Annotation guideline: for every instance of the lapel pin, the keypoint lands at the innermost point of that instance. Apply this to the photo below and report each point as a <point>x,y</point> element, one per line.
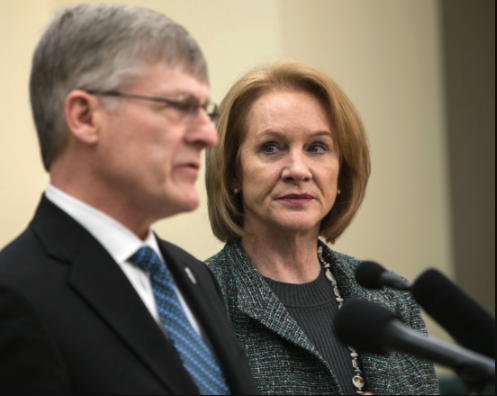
<point>190,275</point>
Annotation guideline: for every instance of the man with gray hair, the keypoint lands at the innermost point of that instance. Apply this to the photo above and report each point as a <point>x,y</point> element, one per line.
<point>91,301</point>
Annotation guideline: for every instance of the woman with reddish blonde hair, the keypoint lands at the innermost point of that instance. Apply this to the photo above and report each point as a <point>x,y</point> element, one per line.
<point>289,173</point>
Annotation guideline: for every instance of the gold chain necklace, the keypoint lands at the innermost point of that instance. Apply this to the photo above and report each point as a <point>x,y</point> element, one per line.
<point>357,380</point>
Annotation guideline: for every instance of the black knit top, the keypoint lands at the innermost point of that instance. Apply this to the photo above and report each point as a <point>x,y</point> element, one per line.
<point>314,307</point>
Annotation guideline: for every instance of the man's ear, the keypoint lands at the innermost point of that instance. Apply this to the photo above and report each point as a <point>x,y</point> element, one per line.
<point>81,112</point>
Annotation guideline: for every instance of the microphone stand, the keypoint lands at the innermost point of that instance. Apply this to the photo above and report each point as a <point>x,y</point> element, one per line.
<point>475,370</point>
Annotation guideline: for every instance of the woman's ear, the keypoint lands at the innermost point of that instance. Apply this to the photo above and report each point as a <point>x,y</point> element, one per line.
<point>80,110</point>
<point>235,185</point>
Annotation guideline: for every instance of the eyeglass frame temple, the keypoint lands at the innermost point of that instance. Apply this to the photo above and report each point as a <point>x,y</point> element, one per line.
<point>213,115</point>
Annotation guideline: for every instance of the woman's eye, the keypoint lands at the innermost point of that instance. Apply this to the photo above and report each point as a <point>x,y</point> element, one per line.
<point>270,148</point>
<point>318,148</point>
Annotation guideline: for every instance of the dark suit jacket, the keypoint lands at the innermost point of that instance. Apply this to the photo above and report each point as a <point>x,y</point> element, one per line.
<point>70,321</point>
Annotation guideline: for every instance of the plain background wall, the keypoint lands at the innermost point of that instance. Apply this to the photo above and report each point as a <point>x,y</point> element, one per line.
<point>469,47</point>
<point>387,55</point>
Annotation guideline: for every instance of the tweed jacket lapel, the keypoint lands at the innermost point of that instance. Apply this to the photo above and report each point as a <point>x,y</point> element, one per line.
<point>258,301</point>
<point>348,287</point>
<point>377,368</point>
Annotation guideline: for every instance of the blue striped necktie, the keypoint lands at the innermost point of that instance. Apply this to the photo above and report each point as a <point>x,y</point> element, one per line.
<point>195,355</point>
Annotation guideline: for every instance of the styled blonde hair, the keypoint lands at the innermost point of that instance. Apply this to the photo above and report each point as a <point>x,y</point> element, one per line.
<point>223,161</point>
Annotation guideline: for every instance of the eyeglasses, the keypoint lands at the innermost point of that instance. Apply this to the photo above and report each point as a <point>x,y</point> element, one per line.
<point>187,105</point>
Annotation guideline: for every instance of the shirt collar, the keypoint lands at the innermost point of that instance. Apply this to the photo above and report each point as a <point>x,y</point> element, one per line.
<point>118,240</point>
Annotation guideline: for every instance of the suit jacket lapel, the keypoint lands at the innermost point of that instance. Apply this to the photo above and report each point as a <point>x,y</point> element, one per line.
<point>99,280</point>
<point>208,309</point>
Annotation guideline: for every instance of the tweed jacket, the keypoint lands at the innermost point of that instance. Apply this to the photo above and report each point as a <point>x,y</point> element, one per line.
<point>282,358</point>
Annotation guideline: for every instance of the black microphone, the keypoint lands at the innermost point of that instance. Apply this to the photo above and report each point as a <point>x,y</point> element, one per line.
<point>370,327</point>
<point>468,323</point>
<point>456,312</point>
<point>373,276</point>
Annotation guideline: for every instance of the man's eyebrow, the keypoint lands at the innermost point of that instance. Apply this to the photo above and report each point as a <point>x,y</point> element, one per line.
<point>175,94</point>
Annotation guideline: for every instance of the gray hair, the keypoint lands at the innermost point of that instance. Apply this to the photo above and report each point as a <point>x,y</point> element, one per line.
<point>101,47</point>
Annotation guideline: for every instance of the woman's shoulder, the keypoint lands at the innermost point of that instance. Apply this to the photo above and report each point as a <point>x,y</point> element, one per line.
<point>220,261</point>
<point>225,266</point>
<point>222,265</point>
<point>217,260</point>
<point>401,302</point>
<point>343,262</point>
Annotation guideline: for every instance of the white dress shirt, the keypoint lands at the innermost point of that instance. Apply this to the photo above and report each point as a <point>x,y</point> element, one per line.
<point>121,243</point>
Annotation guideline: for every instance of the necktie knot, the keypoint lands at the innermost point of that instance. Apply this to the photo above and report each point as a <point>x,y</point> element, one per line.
<point>146,259</point>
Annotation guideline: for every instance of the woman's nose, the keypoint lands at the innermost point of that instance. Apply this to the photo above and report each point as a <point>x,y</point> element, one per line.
<point>296,168</point>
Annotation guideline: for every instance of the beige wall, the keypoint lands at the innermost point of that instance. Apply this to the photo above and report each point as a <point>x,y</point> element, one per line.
<point>469,53</point>
<point>21,175</point>
<point>385,54</point>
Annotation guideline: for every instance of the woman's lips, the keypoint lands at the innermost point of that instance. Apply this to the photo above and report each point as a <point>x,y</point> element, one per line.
<point>297,199</point>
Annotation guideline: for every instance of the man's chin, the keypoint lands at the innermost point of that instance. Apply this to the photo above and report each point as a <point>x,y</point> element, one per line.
<point>192,206</point>
<point>187,203</point>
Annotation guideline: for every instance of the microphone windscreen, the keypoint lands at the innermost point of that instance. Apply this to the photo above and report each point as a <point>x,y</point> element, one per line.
<point>361,324</point>
<point>368,275</point>
<point>456,312</point>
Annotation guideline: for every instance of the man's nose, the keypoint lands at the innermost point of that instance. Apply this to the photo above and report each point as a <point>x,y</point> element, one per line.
<point>203,132</point>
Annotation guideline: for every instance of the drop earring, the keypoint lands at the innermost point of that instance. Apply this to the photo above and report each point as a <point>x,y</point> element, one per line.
<point>236,190</point>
